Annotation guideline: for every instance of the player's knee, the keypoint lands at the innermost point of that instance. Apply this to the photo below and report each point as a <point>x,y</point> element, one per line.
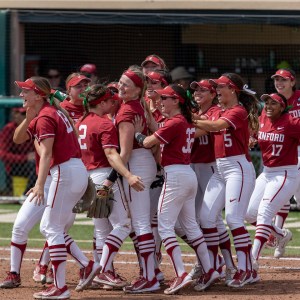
<point>234,222</point>
<point>19,233</point>
<point>251,216</point>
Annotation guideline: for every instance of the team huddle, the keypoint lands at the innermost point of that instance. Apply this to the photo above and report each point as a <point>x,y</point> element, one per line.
<point>174,160</point>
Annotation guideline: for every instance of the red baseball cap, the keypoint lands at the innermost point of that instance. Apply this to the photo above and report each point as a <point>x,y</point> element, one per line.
<point>29,85</point>
<point>169,92</point>
<point>284,74</point>
<point>223,80</point>
<point>76,79</point>
<point>89,68</point>
<point>204,84</point>
<point>274,97</point>
<point>155,60</point>
<point>156,77</point>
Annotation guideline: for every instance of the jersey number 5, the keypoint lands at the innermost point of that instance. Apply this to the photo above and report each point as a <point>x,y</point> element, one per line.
<point>82,135</point>
<point>189,140</point>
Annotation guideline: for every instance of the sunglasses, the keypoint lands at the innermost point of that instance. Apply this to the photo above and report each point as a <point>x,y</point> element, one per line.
<point>54,76</point>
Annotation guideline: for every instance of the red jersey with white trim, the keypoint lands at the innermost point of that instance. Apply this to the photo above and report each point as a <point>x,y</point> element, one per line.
<point>278,141</point>
<point>74,111</point>
<point>203,150</point>
<point>127,113</point>
<point>294,101</point>
<point>158,116</point>
<point>95,134</point>
<point>177,137</point>
<point>52,123</point>
<point>233,140</point>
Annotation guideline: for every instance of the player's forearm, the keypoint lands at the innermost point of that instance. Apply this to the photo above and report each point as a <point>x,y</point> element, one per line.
<point>117,163</point>
<point>20,134</point>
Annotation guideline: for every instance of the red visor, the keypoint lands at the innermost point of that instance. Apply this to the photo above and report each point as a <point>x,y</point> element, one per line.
<point>204,84</point>
<point>155,60</point>
<point>157,77</point>
<point>29,85</point>
<point>274,97</point>
<point>76,79</point>
<point>284,74</point>
<point>223,80</point>
<point>169,92</point>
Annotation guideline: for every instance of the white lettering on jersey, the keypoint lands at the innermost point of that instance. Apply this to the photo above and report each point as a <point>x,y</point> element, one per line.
<point>189,140</point>
<point>65,120</point>
<point>295,113</point>
<point>269,136</point>
<point>203,140</point>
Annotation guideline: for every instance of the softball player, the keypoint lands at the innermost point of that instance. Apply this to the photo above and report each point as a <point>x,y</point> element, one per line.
<point>285,84</point>
<point>204,165</point>
<point>153,62</point>
<point>156,80</point>
<point>54,131</point>
<point>233,181</point>
<point>76,84</point>
<point>278,138</point>
<point>98,142</point>
<point>177,199</point>
<point>141,162</point>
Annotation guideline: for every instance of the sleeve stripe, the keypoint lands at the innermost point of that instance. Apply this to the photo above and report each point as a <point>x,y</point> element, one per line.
<point>161,138</point>
<point>46,135</point>
<point>228,121</point>
<point>110,146</point>
<point>30,135</point>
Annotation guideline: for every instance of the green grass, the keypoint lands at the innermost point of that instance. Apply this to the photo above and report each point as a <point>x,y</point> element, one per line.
<point>83,234</point>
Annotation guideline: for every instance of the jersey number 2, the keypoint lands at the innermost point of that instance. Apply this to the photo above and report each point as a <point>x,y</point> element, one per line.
<point>82,136</point>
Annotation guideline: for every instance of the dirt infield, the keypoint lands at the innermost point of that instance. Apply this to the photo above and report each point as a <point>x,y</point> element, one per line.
<point>280,279</point>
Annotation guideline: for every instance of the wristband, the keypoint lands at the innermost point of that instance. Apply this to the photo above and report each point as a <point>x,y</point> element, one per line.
<point>140,138</point>
<point>112,176</point>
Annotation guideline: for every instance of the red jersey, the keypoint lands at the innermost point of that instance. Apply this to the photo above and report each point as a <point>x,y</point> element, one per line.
<point>177,137</point>
<point>158,116</point>
<point>203,150</point>
<point>52,123</point>
<point>95,134</point>
<point>74,111</point>
<point>278,141</point>
<point>11,153</point>
<point>233,140</point>
<point>127,113</point>
<point>294,102</point>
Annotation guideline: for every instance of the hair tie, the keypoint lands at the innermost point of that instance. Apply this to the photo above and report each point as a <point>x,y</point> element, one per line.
<point>84,102</point>
<point>51,96</point>
<point>189,95</point>
<point>247,90</point>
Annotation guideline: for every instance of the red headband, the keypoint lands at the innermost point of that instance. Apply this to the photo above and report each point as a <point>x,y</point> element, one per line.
<point>108,95</point>
<point>138,81</point>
